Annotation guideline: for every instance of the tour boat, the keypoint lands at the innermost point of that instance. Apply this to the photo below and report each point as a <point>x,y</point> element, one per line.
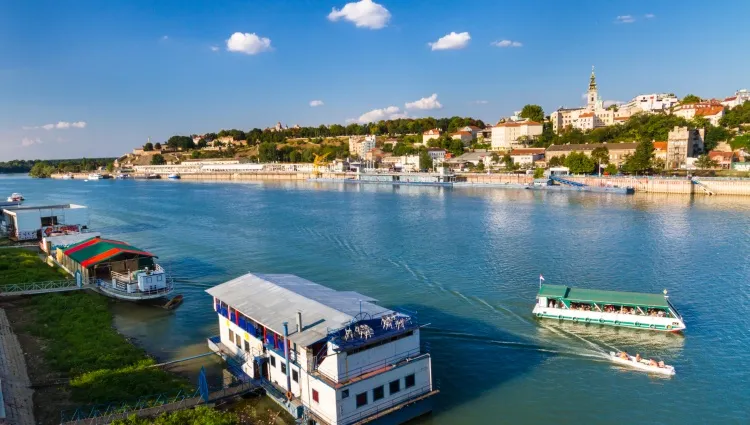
<point>642,364</point>
<point>95,176</point>
<point>623,309</point>
<point>173,176</point>
<point>15,197</point>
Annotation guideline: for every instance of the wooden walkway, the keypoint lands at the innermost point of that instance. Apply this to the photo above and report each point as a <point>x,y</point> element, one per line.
<point>187,403</point>
<point>34,288</point>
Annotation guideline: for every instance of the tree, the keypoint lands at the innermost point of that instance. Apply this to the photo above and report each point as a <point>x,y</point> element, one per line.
<point>456,147</point>
<point>704,162</point>
<point>495,157</point>
<point>539,173</point>
<point>580,163</point>
<point>610,170</point>
<point>157,146</point>
<point>533,113</point>
<point>425,161</point>
<point>41,170</point>
<point>508,161</point>
<point>690,98</point>
<point>110,167</point>
<point>641,160</point>
<point>555,161</point>
<point>148,147</point>
<point>158,159</point>
<point>714,135</point>
<point>741,142</point>
<point>202,143</point>
<point>195,154</point>
<point>600,155</point>
<point>267,152</point>
<point>480,166</point>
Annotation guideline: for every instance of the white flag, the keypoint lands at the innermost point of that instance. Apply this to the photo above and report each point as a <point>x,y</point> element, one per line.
<point>541,277</point>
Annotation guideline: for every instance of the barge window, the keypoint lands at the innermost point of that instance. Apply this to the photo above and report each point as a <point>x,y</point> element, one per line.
<point>295,376</point>
<point>345,394</point>
<point>394,386</point>
<point>409,381</point>
<point>49,221</point>
<point>273,360</point>
<point>378,393</point>
<point>362,399</point>
<point>238,340</point>
<point>247,346</point>
<point>316,396</point>
<point>231,335</point>
<point>283,368</point>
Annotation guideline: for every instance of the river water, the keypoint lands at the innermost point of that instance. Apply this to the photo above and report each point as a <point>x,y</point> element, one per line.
<point>468,261</point>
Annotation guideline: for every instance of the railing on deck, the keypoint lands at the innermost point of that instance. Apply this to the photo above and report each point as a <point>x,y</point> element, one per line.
<point>411,355</point>
<point>38,286</point>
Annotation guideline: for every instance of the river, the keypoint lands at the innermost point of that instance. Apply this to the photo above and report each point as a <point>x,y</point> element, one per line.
<point>468,261</point>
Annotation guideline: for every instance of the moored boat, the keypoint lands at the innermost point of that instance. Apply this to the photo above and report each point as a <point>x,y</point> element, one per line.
<point>67,176</point>
<point>650,365</point>
<point>95,176</point>
<point>122,176</point>
<point>623,309</point>
<point>16,198</point>
<point>153,176</point>
<point>173,176</point>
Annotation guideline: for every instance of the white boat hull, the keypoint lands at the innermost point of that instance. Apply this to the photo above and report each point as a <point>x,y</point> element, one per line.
<point>654,323</point>
<point>631,362</point>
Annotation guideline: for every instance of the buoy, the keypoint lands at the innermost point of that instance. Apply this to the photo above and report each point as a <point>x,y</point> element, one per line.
<point>289,395</point>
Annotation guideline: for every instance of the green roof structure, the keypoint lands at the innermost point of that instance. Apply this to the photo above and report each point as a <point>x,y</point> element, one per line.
<point>603,297</point>
<point>96,250</point>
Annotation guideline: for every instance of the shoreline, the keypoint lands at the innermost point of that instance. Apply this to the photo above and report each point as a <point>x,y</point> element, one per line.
<point>708,186</point>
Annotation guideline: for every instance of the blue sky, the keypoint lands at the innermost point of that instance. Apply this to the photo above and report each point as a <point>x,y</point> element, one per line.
<point>102,76</point>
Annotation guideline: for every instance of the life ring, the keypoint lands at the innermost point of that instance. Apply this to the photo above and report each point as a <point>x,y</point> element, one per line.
<point>651,326</point>
<point>669,327</point>
<point>289,395</point>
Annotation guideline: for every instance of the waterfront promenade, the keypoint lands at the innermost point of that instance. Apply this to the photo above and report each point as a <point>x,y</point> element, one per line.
<point>670,185</point>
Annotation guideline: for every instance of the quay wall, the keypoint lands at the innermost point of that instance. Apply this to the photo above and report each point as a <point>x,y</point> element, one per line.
<point>716,186</point>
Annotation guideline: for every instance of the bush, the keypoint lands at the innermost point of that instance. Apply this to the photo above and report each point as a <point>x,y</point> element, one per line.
<point>201,415</point>
<point>21,266</point>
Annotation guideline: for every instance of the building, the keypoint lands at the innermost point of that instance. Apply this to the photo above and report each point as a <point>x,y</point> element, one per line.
<point>24,223</point>
<point>617,151</point>
<point>485,134</point>
<point>474,157</point>
<point>650,103</point>
<point>711,110</point>
<point>401,163</point>
<point>437,155</point>
<point>359,146</point>
<point>375,155</point>
<point>527,157</point>
<point>428,135</point>
<point>466,137</point>
<point>335,357</point>
<point>593,115</point>
<point>509,135</point>
<point>683,143</point>
<point>474,130</point>
<point>723,159</point>
<point>739,98</point>
<point>660,151</point>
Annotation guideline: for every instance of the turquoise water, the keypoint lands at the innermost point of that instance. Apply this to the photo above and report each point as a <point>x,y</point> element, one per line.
<point>468,260</point>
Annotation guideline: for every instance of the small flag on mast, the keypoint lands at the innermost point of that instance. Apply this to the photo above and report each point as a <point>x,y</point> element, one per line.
<point>541,279</point>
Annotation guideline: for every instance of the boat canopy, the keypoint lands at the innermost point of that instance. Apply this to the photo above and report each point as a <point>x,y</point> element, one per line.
<point>97,250</point>
<point>603,297</point>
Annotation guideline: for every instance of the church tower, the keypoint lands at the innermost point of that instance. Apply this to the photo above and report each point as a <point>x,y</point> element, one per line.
<point>593,95</point>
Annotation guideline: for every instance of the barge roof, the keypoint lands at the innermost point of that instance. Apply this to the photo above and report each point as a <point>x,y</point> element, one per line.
<point>96,250</point>
<point>272,299</point>
<point>601,296</point>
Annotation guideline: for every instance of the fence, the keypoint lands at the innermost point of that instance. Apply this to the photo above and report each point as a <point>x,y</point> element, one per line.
<point>46,286</point>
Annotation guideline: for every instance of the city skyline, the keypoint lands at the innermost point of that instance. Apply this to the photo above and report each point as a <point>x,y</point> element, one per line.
<point>91,79</point>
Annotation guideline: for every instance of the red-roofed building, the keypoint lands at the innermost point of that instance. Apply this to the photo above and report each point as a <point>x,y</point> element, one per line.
<point>465,137</point>
<point>711,110</point>
<point>724,159</point>
<point>740,97</point>
<point>428,135</point>
<point>527,156</point>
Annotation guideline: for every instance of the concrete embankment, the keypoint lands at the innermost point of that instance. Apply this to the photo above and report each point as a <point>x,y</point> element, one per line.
<point>705,185</point>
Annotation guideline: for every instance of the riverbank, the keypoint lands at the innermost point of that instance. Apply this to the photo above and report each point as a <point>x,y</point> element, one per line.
<point>732,186</point>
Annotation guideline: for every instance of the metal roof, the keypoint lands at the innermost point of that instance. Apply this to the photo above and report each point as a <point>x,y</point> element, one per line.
<point>605,297</point>
<point>96,250</point>
<point>272,299</point>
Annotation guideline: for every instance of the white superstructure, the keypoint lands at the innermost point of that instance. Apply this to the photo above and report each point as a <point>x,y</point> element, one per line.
<point>337,355</point>
<point>24,223</point>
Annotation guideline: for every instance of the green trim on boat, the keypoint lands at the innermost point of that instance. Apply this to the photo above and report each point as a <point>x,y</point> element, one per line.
<point>566,293</point>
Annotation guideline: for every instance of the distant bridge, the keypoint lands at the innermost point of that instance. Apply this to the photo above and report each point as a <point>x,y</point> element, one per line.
<point>33,288</point>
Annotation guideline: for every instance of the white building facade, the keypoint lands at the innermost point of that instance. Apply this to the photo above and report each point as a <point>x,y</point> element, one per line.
<point>508,135</point>
<point>337,356</point>
<point>428,135</point>
<point>24,223</point>
<point>361,145</point>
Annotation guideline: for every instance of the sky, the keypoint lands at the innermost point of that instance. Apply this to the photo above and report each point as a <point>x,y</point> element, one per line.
<point>98,78</point>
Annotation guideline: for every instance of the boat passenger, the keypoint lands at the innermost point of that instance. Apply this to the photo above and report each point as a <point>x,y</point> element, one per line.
<point>661,364</point>
<point>652,362</point>
<point>637,357</point>
<point>623,355</point>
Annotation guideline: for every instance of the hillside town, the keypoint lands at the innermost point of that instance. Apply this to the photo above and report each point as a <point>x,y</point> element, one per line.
<point>702,137</point>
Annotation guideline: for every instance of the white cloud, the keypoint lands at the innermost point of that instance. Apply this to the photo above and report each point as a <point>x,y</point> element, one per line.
<point>451,41</point>
<point>315,103</point>
<point>389,113</point>
<point>364,14</point>
<point>61,125</point>
<point>624,19</point>
<point>27,141</point>
<point>248,43</point>
<point>425,103</point>
<point>480,102</point>
<point>165,38</point>
<point>507,43</point>
<point>608,103</point>
<point>649,16</point>
<point>214,48</point>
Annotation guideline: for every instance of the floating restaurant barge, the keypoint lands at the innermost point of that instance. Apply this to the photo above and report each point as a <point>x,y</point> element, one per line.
<point>344,360</point>
<point>623,309</point>
<point>117,269</point>
<point>397,179</point>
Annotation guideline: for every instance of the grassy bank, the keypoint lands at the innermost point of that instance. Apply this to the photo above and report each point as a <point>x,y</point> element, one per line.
<point>18,265</point>
<point>254,411</point>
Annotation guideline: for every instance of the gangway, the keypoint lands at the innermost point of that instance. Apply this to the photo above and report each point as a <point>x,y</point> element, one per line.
<point>703,186</point>
<point>566,181</point>
<point>33,288</point>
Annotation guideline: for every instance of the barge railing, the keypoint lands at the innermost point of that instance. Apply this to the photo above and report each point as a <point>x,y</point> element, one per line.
<point>410,355</point>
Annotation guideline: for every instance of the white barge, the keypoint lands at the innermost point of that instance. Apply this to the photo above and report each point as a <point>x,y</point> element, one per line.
<point>622,309</point>
<point>329,357</point>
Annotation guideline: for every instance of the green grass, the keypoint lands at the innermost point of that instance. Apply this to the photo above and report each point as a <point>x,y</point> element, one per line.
<point>199,416</point>
<point>18,265</point>
<point>81,342</point>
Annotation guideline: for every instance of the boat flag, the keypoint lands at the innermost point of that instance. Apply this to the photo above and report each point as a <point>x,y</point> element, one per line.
<point>541,279</point>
